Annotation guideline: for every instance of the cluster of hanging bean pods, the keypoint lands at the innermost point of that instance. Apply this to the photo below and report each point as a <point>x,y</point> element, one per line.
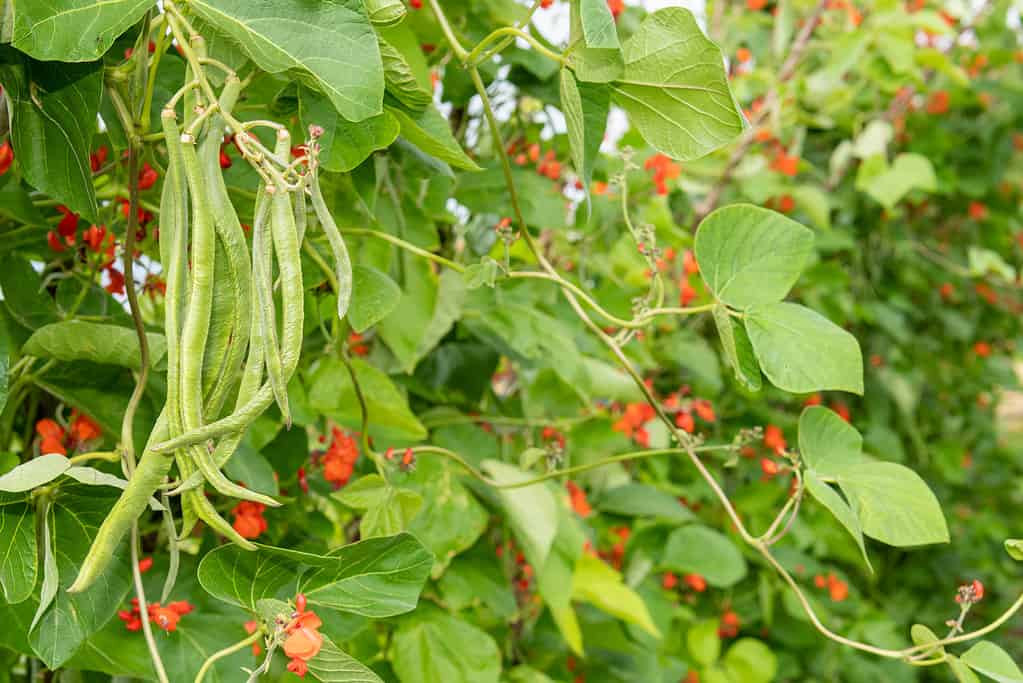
<point>221,322</point>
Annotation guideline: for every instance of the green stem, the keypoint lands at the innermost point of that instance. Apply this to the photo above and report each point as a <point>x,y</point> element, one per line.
<point>226,652</point>
<point>473,57</point>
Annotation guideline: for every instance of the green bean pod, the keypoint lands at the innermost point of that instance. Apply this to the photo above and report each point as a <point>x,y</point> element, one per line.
<point>209,514</point>
<point>149,474</point>
<point>221,369</point>
<point>289,260</point>
<point>204,460</point>
<point>342,261</point>
<point>262,267</point>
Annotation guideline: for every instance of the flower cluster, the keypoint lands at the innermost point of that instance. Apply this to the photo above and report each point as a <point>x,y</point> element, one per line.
<point>248,519</point>
<point>304,638</point>
<point>339,459</point>
<point>56,439</point>
<point>664,170</point>
<point>838,590</point>
<point>166,618</point>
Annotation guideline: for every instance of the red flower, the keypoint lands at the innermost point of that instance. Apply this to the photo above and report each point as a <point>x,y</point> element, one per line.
<point>669,581</point>
<point>785,164</point>
<point>978,211</point>
<point>54,242</point>
<point>225,158</point>
<point>304,639</point>
<point>147,176</point>
<point>774,439</point>
<point>842,410</point>
<point>982,349</point>
<point>94,237</point>
<point>339,460</point>
<point>813,400</point>
<point>83,428</point>
<point>684,421</point>
<point>616,7</point>
<point>838,590</point>
<point>686,294</point>
<point>69,223</point>
<point>705,410</point>
<point>98,158</point>
<point>577,498</point>
<point>145,564</point>
<point>164,617</point>
<point>937,103</point>
<point>116,285</point>
<point>664,169</point>
<point>696,582</point>
<point>248,519</point>
<point>689,263</point>
<point>6,157</point>
<point>769,467</point>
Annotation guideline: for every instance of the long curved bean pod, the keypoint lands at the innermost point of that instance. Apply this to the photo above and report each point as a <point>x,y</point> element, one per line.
<point>209,514</point>
<point>220,368</point>
<point>262,271</point>
<point>342,261</point>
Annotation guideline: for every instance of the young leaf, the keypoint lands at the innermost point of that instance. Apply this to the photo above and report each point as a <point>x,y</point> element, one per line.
<point>385,12</point>
<point>992,661</point>
<point>749,255</point>
<point>406,73</point>
<point>703,642</point>
<point>749,660</point>
<point>51,576</point>
<point>73,30</point>
<point>53,115</point>
<point>675,89</point>
<point>598,584</point>
<point>329,44</point>
<point>802,351</point>
<point>738,350</point>
<point>701,550</point>
<point>33,473</point>
<point>961,671</point>
<point>893,504</point>
<point>18,552</point>
<point>909,172</point>
<point>586,107</point>
<point>599,30</point>
<point>1014,546</point>
<point>592,64</point>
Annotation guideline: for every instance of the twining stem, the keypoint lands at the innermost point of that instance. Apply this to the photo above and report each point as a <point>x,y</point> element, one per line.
<point>473,57</point>
<point>226,652</point>
<point>554,474</point>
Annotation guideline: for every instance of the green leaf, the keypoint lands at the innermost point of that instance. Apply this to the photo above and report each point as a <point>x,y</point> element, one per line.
<point>750,661</point>
<point>329,45</point>
<point>374,296</point>
<point>389,509</point>
<point>829,498</point>
<point>33,473</point>
<point>248,466</point>
<point>992,661</point>
<point>75,517</point>
<point>332,665</point>
<point>909,172</point>
<point>405,70</point>
<point>592,64</point>
<point>599,30</point>
<point>73,30</point>
<point>77,340</point>
<point>675,89</point>
<point>697,549</point>
<point>93,477</point>
<point>6,345</point>
<point>586,107</point>
<point>345,144</point>
<point>597,583</point>
<point>893,503</point>
<point>827,441</point>
<point>532,511</point>
<point>749,255</point>
<point>377,577</point>
<point>922,635</point>
<point>431,646</point>
<point>53,109</point>
<point>738,349</point>
<point>1014,546</point>
<point>640,500</point>
<point>962,672</point>
<point>385,12</point>
<point>431,132</point>
<point>18,552</point>
<point>332,394</point>
<point>703,642</point>
<point>51,575</point>
<point>801,351</point>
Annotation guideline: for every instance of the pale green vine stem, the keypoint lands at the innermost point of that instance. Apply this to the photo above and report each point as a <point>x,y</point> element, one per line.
<point>510,31</point>
<point>226,652</point>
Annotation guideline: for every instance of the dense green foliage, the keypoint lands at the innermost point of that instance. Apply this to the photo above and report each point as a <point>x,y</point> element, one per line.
<point>426,372</point>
